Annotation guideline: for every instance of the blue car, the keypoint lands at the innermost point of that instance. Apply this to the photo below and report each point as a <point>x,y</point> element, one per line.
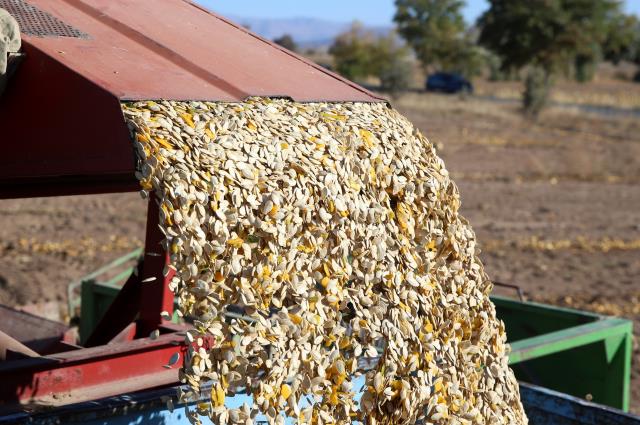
<point>448,83</point>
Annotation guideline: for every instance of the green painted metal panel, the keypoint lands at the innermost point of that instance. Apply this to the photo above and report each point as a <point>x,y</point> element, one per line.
<point>579,353</point>
<point>562,340</point>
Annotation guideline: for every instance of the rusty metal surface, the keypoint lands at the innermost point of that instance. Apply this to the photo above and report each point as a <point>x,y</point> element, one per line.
<point>62,128</point>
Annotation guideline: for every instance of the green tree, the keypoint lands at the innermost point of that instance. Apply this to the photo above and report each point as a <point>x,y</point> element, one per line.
<point>618,40</point>
<point>352,52</point>
<point>391,63</point>
<point>359,54</point>
<point>434,29</point>
<point>623,38</point>
<point>286,41</point>
<point>469,59</point>
<point>550,35</point>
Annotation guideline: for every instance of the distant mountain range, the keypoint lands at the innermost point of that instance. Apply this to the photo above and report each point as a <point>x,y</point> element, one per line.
<point>306,32</point>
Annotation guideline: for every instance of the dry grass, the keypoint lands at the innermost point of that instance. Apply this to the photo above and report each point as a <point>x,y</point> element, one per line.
<point>604,93</point>
<point>86,247</point>
<point>447,104</point>
<point>585,243</point>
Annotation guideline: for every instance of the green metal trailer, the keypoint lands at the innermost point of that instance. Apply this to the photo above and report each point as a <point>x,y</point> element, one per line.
<point>574,352</point>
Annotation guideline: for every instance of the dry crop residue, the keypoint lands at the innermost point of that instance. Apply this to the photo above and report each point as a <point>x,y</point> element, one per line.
<point>335,228</point>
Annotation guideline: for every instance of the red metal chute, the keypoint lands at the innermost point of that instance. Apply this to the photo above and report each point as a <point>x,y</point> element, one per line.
<point>62,130</point>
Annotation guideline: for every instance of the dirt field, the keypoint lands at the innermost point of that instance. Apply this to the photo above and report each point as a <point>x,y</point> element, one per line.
<point>555,204</point>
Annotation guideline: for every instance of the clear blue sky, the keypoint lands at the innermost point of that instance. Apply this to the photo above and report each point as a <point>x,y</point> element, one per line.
<point>371,12</point>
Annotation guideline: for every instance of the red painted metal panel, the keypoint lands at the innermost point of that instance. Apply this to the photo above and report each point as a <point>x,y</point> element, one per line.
<point>90,373</point>
<point>62,128</point>
<point>155,296</point>
<point>57,123</point>
<point>120,314</point>
<point>174,49</point>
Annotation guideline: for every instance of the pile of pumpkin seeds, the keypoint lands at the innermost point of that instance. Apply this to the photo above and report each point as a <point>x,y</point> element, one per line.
<point>332,231</point>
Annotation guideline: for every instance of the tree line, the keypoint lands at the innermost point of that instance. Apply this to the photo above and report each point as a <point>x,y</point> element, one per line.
<point>543,39</point>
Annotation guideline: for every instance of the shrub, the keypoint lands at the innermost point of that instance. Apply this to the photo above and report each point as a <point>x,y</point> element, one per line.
<point>536,91</point>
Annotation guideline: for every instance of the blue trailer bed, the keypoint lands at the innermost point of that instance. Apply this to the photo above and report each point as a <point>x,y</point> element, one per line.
<point>543,407</point>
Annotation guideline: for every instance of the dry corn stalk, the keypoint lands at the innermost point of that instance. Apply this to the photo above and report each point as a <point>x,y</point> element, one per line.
<point>335,228</point>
